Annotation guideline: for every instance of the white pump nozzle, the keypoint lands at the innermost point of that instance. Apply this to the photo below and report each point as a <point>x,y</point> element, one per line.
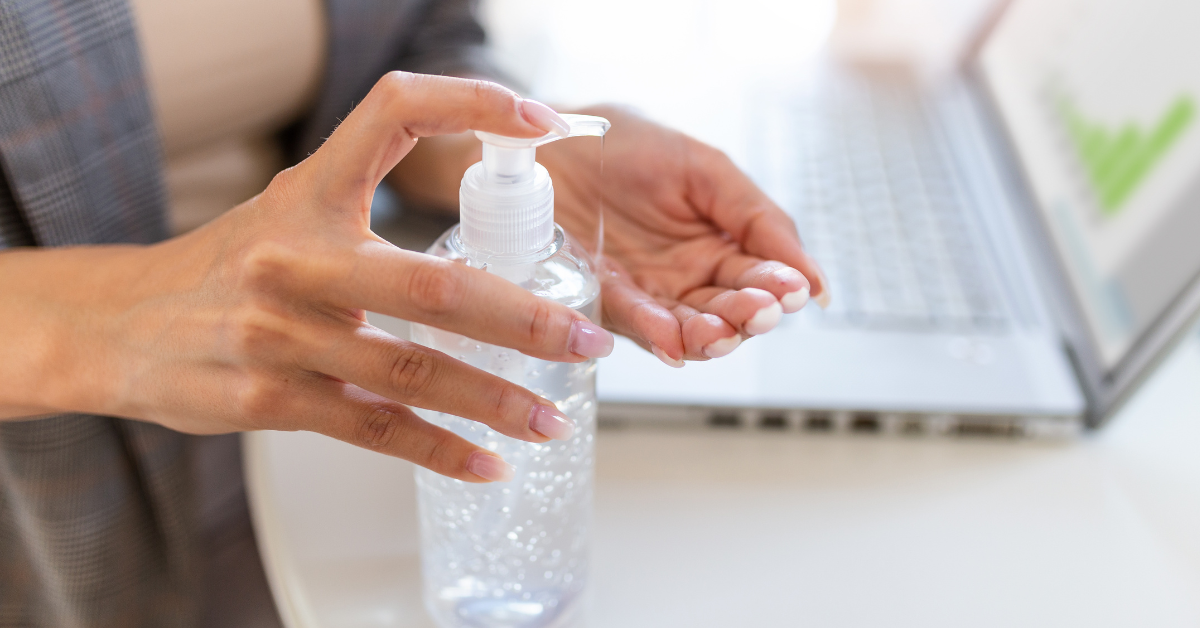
<point>506,201</point>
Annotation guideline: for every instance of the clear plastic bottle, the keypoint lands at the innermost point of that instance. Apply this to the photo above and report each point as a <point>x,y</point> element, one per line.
<point>514,554</point>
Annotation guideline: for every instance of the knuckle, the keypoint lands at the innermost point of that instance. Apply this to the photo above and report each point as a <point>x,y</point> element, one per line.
<point>256,332</point>
<point>495,97</point>
<point>377,427</point>
<point>720,155</point>
<point>436,288</point>
<point>394,84</point>
<point>487,92</point>
<point>259,399</point>
<point>285,183</point>
<point>508,402</point>
<point>705,150</point>
<point>707,157</point>
<point>413,372</point>
<point>480,90</point>
<point>265,265</point>
<point>542,328</point>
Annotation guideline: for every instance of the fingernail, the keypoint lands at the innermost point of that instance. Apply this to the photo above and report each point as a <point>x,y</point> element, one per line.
<point>666,359</point>
<point>544,118</point>
<point>590,341</point>
<point>825,297</point>
<point>551,423</point>
<point>723,347</point>
<point>764,320</point>
<point>788,274</point>
<point>794,301</point>
<point>489,467</point>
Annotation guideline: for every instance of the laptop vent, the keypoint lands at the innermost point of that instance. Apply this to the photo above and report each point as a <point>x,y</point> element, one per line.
<point>853,422</point>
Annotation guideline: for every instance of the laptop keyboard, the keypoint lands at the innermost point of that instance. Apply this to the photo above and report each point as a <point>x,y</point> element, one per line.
<point>877,202</point>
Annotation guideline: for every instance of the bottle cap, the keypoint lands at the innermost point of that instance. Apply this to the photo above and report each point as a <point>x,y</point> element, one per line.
<point>506,201</point>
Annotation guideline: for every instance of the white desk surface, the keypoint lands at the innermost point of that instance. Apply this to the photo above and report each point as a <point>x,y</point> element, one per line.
<point>713,528</point>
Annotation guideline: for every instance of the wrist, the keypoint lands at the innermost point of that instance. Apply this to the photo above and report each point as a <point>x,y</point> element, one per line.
<point>56,347</point>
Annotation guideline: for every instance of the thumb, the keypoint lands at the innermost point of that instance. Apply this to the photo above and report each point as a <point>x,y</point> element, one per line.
<point>402,107</point>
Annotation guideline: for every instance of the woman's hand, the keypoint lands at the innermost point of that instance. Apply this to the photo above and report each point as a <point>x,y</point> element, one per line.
<point>256,321</point>
<point>697,258</point>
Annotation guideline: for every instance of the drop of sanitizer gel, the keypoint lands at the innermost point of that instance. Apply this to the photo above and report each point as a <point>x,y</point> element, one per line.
<point>514,554</point>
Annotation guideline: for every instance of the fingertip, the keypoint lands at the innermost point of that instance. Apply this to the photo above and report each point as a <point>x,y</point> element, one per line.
<point>793,302</point>
<point>765,313</point>
<point>675,363</point>
<point>705,334</point>
<point>723,347</point>
<point>590,340</point>
<point>658,328</point>
<point>790,286</point>
<point>551,423</point>
<point>630,311</point>
<point>764,320</point>
<point>544,118</point>
<point>823,298</point>
<point>788,279</point>
<point>489,467</point>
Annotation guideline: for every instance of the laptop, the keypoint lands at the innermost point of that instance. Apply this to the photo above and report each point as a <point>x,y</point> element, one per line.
<point>1011,250</point>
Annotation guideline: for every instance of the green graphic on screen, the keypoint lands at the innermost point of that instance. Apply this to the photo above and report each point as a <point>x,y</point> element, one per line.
<point>1117,160</point>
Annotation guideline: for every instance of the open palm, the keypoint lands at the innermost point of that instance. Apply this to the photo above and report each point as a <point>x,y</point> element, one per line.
<point>697,258</point>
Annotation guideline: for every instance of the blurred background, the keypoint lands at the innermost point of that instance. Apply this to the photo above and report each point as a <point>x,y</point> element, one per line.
<point>693,64</point>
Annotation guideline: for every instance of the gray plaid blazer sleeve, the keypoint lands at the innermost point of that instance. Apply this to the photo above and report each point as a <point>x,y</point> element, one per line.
<point>97,515</point>
<point>369,38</point>
<point>95,528</point>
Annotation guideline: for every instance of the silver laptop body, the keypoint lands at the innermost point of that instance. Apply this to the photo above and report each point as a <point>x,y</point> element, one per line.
<point>954,312</point>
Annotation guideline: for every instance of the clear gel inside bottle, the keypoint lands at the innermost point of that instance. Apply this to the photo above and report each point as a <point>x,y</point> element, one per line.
<point>514,554</point>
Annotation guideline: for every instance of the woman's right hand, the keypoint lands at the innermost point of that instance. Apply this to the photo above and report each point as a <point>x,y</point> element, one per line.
<point>256,321</point>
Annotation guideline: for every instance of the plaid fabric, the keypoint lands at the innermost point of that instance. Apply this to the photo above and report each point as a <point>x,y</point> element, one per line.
<point>77,135</point>
<point>369,38</point>
<point>13,230</point>
<point>95,527</point>
<point>97,514</point>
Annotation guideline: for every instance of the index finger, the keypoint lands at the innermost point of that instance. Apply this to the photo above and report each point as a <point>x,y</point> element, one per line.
<point>723,193</point>
<point>455,297</point>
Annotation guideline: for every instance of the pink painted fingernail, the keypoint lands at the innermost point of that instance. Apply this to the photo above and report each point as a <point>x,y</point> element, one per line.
<point>544,118</point>
<point>765,319</point>
<point>723,347</point>
<point>794,301</point>
<point>489,467</point>
<point>551,423</point>
<point>666,359</point>
<point>590,340</point>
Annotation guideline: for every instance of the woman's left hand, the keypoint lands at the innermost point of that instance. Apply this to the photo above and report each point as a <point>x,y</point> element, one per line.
<point>697,258</point>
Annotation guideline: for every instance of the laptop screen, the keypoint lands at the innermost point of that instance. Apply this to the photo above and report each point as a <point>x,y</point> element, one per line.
<point>1102,102</point>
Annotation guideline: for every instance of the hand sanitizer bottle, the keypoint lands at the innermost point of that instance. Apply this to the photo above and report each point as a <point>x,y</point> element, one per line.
<point>514,554</point>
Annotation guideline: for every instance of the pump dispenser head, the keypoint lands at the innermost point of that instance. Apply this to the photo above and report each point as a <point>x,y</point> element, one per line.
<point>506,201</point>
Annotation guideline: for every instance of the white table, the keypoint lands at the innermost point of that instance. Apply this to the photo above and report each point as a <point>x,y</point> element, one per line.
<point>716,528</point>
